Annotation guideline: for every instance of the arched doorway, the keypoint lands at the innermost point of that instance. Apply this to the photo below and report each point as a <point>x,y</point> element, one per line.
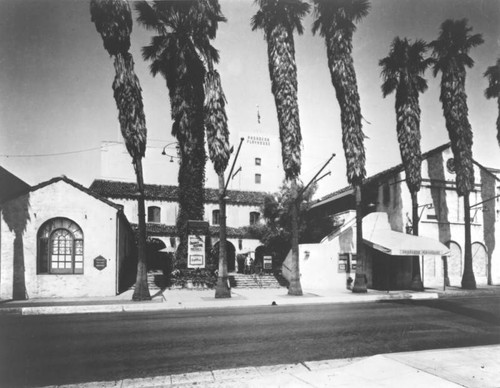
<point>230,255</point>
<point>259,255</point>
<point>455,264</point>
<point>480,262</point>
<point>155,258</point>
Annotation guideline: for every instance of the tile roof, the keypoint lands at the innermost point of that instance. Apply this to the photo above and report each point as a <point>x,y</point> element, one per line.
<point>128,190</point>
<point>381,175</point>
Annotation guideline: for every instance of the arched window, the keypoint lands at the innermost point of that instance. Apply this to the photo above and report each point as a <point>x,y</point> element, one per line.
<point>479,259</point>
<point>254,217</point>
<point>455,260</point>
<point>154,214</point>
<point>60,247</point>
<point>216,217</point>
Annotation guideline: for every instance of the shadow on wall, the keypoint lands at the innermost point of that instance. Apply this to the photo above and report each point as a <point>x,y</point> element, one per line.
<point>435,169</point>
<point>488,193</point>
<point>391,202</point>
<point>16,216</point>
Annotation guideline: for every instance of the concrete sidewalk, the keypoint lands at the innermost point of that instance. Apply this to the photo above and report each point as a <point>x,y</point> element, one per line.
<point>461,367</point>
<point>178,299</point>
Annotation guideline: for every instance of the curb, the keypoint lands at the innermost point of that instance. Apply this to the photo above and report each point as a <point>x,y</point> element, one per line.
<point>279,301</point>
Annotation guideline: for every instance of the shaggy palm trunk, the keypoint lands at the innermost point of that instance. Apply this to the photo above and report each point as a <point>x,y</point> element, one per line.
<point>222,289</point>
<point>141,289</point>
<point>454,100</point>
<point>468,279</point>
<point>343,75</point>
<point>295,287</point>
<point>191,188</point>
<point>283,74</point>
<point>416,281</point>
<point>360,285</point>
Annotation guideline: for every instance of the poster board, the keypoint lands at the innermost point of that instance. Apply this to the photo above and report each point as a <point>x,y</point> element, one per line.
<point>196,251</point>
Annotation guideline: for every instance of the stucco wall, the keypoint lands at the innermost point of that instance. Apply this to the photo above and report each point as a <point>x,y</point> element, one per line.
<point>237,215</point>
<point>98,223</point>
<point>445,220</point>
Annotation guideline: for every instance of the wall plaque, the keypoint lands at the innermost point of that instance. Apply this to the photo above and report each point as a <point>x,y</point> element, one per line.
<point>100,263</point>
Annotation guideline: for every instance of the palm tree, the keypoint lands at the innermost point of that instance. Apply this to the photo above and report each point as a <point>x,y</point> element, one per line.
<point>279,19</point>
<point>402,72</point>
<point>450,54</point>
<point>113,21</point>
<point>217,132</point>
<point>493,89</point>
<point>335,21</point>
<point>176,53</point>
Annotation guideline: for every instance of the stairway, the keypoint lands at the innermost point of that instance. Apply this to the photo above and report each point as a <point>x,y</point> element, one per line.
<point>238,280</point>
<point>156,280</point>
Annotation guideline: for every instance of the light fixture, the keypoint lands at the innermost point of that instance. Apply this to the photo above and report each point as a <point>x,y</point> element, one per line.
<point>169,146</point>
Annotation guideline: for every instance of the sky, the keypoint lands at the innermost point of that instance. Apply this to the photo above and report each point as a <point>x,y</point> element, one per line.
<point>56,101</point>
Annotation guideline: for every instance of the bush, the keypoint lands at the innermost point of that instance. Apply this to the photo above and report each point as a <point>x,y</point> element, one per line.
<point>199,278</point>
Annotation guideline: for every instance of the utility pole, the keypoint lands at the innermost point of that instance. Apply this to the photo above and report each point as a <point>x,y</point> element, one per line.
<point>222,289</point>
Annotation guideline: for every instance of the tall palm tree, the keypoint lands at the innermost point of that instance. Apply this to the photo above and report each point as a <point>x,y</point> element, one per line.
<point>402,71</point>
<point>176,53</point>
<point>113,21</point>
<point>279,19</point>
<point>335,20</point>
<point>217,131</point>
<point>493,89</point>
<point>451,57</point>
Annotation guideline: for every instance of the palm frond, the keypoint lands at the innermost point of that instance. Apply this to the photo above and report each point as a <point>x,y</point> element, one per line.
<point>493,76</point>
<point>288,13</point>
<point>338,15</point>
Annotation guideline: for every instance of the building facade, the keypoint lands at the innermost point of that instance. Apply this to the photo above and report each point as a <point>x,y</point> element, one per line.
<point>441,213</point>
<point>258,167</point>
<point>161,201</point>
<point>58,239</point>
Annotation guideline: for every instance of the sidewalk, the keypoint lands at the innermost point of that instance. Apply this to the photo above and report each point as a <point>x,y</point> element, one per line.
<point>197,299</point>
<point>461,367</point>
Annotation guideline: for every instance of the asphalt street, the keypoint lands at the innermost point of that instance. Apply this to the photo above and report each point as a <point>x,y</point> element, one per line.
<point>60,349</point>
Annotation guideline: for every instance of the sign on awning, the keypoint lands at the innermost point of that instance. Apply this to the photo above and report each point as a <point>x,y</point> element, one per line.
<point>378,234</point>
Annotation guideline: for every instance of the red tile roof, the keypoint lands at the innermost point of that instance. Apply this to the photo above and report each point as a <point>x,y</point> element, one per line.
<point>128,190</point>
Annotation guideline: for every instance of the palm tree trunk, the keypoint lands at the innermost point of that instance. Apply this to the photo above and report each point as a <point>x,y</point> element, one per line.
<point>416,282</point>
<point>222,289</point>
<point>295,287</point>
<point>360,280</point>
<point>141,290</point>
<point>468,279</point>
<point>498,122</point>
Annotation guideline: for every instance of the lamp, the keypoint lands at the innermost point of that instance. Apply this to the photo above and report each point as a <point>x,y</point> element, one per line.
<point>425,206</point>
<point>169,146</point>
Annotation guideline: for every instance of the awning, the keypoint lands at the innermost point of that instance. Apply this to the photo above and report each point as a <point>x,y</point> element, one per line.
<point>377,233</point>
<point>401,244</point>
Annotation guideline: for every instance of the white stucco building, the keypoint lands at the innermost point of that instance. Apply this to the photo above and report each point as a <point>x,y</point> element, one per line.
<point>441,213</point>
<point>59,239</point>
<point>258,167</point>
<point>161,202</point>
